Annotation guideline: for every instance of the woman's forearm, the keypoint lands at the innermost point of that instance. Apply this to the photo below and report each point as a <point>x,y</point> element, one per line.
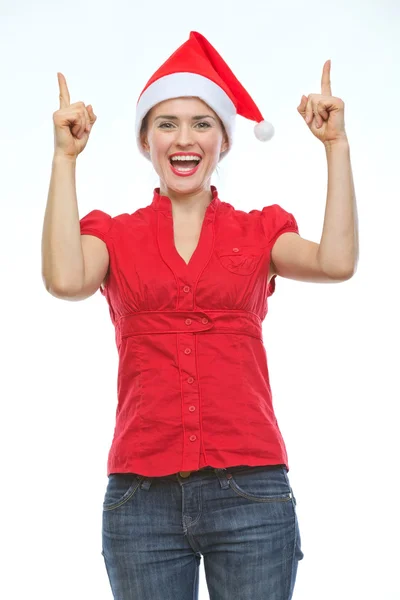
<point>62,256</point>
<point>338,249</point>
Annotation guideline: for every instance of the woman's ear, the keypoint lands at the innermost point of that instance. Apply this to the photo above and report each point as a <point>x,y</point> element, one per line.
<point>143,132</point>
<point>145,145</point>
<point>225,145</point>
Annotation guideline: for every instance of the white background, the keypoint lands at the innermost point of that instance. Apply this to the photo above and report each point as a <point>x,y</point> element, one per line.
<point>333,350</point>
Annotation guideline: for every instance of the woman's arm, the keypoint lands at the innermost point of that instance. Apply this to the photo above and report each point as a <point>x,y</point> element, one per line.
<point>62,255</point>
<point>335,258</point>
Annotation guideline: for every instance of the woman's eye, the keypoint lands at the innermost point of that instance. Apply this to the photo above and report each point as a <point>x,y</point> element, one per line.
<point>201,123</point>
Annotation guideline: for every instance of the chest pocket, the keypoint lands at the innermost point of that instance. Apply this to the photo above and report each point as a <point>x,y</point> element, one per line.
<point>242,260</point>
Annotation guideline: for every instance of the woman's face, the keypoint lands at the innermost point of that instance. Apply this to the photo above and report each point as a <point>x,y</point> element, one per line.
<point>185,125</point>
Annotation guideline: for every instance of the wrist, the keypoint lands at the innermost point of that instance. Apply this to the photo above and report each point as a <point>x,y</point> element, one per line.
<point>341,142</point>
<point>59,157</point>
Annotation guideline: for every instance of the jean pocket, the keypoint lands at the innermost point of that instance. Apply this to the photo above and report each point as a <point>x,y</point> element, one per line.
<point>242,260</point>
<point>262,484</point>
<point>120,488</point>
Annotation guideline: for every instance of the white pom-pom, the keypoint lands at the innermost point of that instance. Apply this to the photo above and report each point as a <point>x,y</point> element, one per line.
<point>264,131</point>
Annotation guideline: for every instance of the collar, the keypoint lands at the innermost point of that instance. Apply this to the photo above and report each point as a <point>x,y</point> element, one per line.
<point>163,203</point>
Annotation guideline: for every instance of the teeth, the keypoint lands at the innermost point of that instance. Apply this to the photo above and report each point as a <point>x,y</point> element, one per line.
<point>188,157</point>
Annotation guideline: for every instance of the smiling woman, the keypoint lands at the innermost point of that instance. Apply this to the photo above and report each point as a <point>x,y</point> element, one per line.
<point>185,130</point>
<point>188,279</point>
<point>187,282</point>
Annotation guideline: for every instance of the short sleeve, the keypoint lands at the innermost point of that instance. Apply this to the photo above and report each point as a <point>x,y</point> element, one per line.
<point>275,221</point>
<point>96,223</point>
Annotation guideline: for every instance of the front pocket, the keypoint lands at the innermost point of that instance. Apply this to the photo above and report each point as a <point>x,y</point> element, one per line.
<point>120,488</point>
<point>264,485</point>
<point>242,260</point>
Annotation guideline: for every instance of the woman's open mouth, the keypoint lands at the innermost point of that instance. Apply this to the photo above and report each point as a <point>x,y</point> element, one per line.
<point>184,166</point>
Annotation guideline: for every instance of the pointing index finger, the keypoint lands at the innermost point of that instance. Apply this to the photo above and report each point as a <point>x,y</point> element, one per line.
<point>64,93</point>
<point>326,79</point>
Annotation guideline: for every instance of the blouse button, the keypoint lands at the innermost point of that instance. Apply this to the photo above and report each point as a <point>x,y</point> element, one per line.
<point>192,408</point>
<point>192,438</point>
<point>187,350</point>
<point>204,320</point>
<point>190,380</point>
<point>188,321</point>
<point>186,288</point>
<point>235,249</point>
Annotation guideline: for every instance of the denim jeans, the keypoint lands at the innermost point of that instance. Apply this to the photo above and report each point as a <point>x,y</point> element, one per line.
<point>241,519</point>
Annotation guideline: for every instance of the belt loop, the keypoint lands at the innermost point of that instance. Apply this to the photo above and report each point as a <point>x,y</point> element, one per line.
<point>223,480</point>
<point>146,483</point>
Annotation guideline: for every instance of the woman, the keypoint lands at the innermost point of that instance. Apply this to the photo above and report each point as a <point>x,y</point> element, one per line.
<point>197,466</point>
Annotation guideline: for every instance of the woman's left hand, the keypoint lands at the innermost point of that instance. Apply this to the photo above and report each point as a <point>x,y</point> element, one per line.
<point>323,113</point>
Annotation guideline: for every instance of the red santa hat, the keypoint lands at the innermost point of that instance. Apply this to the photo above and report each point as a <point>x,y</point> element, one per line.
<point>196,69</point>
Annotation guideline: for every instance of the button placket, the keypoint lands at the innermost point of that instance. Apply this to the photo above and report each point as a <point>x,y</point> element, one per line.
<point>191,324</point>
<point>190,393</point>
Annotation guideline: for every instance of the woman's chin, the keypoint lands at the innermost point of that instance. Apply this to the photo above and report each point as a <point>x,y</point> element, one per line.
<point>176,183</point>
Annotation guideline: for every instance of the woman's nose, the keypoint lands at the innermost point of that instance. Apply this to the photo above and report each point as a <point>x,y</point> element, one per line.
<point>185,134</point>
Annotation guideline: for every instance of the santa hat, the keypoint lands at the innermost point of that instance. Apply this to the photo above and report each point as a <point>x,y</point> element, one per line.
<point>196,69</point>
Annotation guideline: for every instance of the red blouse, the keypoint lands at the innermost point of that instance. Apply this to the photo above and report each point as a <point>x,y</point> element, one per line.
<point>193,385</point>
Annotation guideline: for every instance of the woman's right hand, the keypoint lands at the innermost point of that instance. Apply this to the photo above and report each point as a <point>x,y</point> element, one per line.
<point>72,123</point>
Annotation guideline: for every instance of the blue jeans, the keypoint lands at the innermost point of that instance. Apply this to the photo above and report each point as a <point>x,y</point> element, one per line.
<point>241,519</point>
